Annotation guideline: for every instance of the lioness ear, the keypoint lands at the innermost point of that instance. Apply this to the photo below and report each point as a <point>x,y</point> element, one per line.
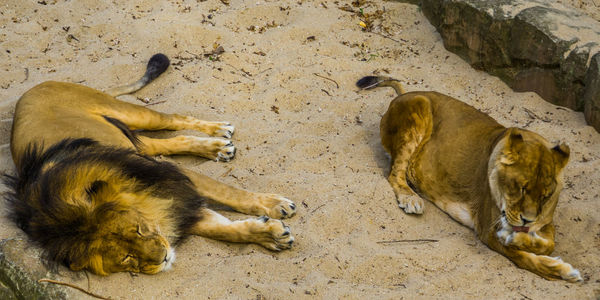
<point>514,141</point>
<point>561,155</point>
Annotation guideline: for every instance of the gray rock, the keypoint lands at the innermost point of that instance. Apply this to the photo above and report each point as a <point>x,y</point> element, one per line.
<point>531,45</point>
<point>591,98</point>
<point>20,270</point>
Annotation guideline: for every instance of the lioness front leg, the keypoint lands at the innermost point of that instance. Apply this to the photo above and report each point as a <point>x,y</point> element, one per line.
<point>404,129</point>
<point>541,242</point>
<point>272,205</point>
<point>548,267</point>
<point>552,268</point>
<point>407,199</point>
<point>270,233</point>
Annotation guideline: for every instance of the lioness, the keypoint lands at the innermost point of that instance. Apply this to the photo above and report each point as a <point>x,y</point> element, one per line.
<point>89,193</point>
<point>502,182</point>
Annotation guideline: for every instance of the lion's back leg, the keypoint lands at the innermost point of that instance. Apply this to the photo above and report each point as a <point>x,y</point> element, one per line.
<point>140,117</point>
<point>218,149</point>
<point>405,128</point>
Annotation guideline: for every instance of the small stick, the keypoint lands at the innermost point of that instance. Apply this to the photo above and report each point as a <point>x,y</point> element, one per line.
<point>227,172</point>
<point>533,115</point>
<point>154,103</point>
<point>525,296</point>
<point>244,72</point>
<point>73,286</point>
<point>88,279</point>
<point>409,241</point>
<point>26,75</point>
<point>385,36</point>
<point>336,84</point>
<point>267,69</point>
<point>317,208</point>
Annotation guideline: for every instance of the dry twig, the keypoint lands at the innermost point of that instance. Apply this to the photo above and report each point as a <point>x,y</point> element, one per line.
<point>154,103</point>
<point>336,84</point>
<point>420,241</point>
<point>317,208</point>
<point>73,286</point>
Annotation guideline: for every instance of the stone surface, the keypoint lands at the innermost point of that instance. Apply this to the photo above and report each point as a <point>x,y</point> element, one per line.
<point>531,45</point>
<point>591,96</point>
<point>20,269</point>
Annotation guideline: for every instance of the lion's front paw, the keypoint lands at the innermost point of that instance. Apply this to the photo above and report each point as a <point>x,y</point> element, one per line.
<point>212,148</point>
<point>412,204</point>
<point>274,206</point>
<point>226,152</point>
<point>272,234</point>
<point>223,129</point>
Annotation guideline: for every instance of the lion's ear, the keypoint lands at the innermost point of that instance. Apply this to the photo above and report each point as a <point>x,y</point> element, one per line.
<point>78,264</point>
<point>93,263</point>
<point>561,155</point>
<point>514,143</point>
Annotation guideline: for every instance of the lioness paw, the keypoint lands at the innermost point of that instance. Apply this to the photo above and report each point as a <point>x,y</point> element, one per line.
<point>565,270</point>
<point>573,276</point>
<point>517,239</point>
<point>275,206</point>
<point>411,204</point>
<point>272,234</point>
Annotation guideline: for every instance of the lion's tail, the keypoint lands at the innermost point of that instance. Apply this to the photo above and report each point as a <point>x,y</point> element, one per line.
<point>369,82</point>
<point>157,64</point>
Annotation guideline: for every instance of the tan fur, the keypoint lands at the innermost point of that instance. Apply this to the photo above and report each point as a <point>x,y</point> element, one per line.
<point>53,111</point>
<point>473,168</point>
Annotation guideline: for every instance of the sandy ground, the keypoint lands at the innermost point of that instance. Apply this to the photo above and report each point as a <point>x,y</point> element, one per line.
<point>589,7</point>
<point>286,80</point>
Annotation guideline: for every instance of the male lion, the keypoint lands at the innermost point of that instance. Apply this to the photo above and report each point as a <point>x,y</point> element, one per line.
<point>502,182</point>
<point>89,193</point>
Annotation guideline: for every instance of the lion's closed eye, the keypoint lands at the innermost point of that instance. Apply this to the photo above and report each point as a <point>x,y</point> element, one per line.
<point>127,259</point>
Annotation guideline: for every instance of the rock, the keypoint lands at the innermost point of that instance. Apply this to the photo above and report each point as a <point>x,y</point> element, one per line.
<point>20,269</point>
<point>531,45</point>
<point>591,98</point>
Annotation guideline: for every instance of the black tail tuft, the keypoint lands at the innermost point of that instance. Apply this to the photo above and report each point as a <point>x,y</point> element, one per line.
<point>368,82</point>
<point>157,64</point>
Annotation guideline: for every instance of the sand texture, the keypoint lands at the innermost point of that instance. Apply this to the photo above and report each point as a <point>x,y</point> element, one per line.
<point>286,81</point>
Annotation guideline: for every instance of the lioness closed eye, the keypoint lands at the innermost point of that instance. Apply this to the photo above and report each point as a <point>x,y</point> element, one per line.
<point>502,182</point>
<point>89,193</point>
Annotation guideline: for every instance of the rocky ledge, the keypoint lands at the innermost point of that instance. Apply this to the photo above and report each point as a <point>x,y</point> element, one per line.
<point>20,268</point>
<point>532,45</point>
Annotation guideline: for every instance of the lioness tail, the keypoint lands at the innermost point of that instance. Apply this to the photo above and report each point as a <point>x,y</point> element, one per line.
<point>157,64</point>
<point>369,82</point>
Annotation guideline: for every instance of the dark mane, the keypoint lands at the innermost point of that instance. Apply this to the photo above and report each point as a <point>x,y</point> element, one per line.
<point>65,230</point>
